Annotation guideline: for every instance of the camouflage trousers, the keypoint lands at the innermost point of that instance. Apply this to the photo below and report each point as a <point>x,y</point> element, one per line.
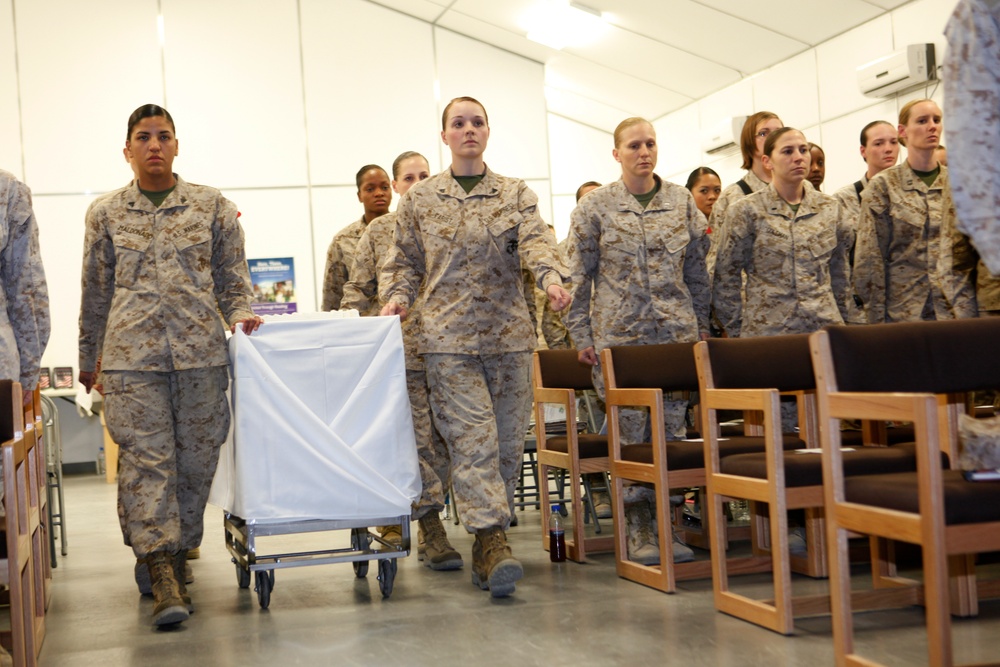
<point>435,464</point>
<point>482,406</point>
<point>634,425</point>
<point>169,428</point>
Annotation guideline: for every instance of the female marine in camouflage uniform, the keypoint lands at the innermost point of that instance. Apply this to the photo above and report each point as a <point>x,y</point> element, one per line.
<point>792,243</point>
<point>636,252</point>
<point>162,258</point>
<point>902,261</point>
<point>463,234</point>
<point>361,293</point>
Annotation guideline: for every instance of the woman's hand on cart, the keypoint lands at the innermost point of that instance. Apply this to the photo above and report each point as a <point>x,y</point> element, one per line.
<point>249,324</point>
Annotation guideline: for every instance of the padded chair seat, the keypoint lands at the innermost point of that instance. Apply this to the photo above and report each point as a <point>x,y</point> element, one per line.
<point>682,455</point>
<point>964,502</point>
<point>591,446</point>
<point>806,469</point>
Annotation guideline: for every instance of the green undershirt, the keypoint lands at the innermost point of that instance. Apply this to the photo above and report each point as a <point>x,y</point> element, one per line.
<point>794,207</point>
<point>469,182</point>
<point>928,177</point>
<point>647,197</point>
<point>157,197</point>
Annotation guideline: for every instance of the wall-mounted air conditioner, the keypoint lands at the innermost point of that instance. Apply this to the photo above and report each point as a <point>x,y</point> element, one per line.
<point>898,71</point>
<point>724,138</point>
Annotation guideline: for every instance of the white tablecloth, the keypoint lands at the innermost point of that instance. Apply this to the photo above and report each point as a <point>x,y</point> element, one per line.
<point>321,422</point>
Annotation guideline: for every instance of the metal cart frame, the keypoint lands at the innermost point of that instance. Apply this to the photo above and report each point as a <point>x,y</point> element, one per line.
<point>241,541</point>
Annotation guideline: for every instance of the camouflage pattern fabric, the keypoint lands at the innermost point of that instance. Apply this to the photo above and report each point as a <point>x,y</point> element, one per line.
<point>169,428</point>
<point>482,407</point>
<point>850,211</point>
<point>637,276</point>
<point>155,279</point>
<point>729,196</point>
<point>435,464</point>
<point>361,291</point>
<point>972,106</point>
<point>902,262</point>
<point>339,257</point>
<point>24,310</point>
<point>795,263</point>
<point>464,250</point>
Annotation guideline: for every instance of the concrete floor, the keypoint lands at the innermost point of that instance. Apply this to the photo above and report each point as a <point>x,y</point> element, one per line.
<point>322,615</point>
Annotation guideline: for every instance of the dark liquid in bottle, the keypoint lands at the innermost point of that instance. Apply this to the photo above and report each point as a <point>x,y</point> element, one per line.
<point>557,546</point>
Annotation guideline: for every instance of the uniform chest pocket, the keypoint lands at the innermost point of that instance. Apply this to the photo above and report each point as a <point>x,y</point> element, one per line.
<point>671,239</point>
<point>504,231</point>
<point>823,244</point>
<point>441,228</point>
<point>194,253</point>
<point>130,255</point>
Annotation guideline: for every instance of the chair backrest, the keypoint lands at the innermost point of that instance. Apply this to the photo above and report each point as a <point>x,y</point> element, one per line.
<point>6,416</point>
<point>562,369</point>
<point>942,357</point>
<point>773,362</point>
<point>666,366</point>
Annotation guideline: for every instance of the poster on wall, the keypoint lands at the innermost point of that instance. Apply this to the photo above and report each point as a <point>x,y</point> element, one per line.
<point>273,281</point>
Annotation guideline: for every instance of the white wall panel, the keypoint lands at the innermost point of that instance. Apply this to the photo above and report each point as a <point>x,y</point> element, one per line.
<point>790,90</point>
<point>83,68</point>
<point>369,78</point>
<point>579,154</point>
<point>679,137</point>
<point>234,87</point>
<point>512,90</point>
<point>543,189</point>
<point>720,107</point>
<point>562,209</point>
<point>333,208</point>
<point>728,167</point>
<point>921,22</point>
<point>10,117</point>
<point>837,63</point>
<point>276,224</point>
<point>60,235</point>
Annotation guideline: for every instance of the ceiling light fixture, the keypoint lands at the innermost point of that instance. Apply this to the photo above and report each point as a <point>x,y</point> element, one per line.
<point>561,23</point>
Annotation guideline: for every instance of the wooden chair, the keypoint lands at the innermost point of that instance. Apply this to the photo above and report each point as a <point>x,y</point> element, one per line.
<point>34,449</point>
<point>752,374</point>
<point>637,377</point>
<point>558,375</point>
<point>17,569</point>
<point>912,372</point>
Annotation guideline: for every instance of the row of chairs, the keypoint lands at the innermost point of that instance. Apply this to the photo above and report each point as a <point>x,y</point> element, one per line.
<point>917,373</point>
<point>26,570</point>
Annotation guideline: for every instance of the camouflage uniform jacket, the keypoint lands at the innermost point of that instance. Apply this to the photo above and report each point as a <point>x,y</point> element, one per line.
<point>155,280</point>
<point>467,250</point>
<point>339,257</point>
<point>902,262</point>
<point>850,204</point>
<point>361,291</point>
<point>729,196</point>
<point>24,311</point>
<point>637,276</point>
<point>796,265</point>
<point>972,107</point>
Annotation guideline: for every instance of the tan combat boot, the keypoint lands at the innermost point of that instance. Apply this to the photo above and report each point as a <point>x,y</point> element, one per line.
<point>169,607</point>
<point>391,534</point>
<point>181,568</point>
<point>494,567</point>
<point>643,547</point>
<point>438,552</point>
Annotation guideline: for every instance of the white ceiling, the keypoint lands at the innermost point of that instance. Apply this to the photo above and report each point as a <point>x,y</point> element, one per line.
<point>658,55</point>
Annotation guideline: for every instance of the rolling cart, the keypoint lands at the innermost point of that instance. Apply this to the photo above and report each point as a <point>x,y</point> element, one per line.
<point>322,440</point>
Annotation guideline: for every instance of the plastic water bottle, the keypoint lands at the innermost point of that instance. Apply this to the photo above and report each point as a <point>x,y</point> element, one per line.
<point>100,461</point>
<point>557,536</point>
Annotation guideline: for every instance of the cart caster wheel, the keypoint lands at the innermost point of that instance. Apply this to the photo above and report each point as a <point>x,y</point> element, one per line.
<point>242,576</point>
<point>360,541</point>
<point>386,575</point>
<point>263,583</point>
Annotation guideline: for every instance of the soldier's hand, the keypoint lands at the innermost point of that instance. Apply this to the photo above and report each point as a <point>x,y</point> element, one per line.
<point>86,378</point>
<point>249,325</point>
<point>393,308</point>
<point>588,355</point>
<point>559,298</point>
